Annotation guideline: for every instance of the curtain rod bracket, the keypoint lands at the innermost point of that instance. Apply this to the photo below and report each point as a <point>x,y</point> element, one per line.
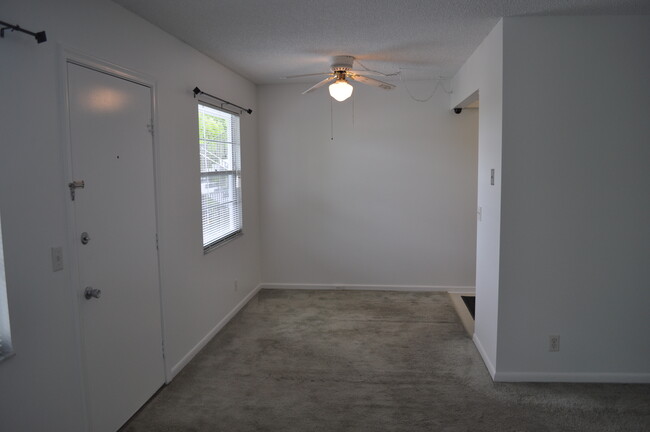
<point>39,36</point>
<point>197,91</point>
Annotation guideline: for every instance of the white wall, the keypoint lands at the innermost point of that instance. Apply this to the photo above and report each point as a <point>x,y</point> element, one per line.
<point>390,201</point>
<point>41,384</point>
<point>483,73</point>
<point>575,209</point>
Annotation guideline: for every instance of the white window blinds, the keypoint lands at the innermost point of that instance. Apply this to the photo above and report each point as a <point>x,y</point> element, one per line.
<point>220,159</point>
<point>5,334</point>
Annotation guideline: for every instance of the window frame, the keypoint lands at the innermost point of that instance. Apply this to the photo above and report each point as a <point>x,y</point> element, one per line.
<point>6,346</point>
<point>236,173</point>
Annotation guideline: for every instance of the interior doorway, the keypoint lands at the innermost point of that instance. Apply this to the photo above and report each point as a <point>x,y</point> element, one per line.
<point>465,302</point>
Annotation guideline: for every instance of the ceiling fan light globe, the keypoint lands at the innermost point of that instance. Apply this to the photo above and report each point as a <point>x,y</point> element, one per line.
<point>340,90</point>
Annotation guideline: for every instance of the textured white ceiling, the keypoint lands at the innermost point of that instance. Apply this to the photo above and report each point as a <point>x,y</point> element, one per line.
<point>265,40</point>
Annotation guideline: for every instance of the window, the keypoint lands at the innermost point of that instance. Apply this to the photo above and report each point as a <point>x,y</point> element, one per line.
<point>219,150</point>
<point>5,335</point>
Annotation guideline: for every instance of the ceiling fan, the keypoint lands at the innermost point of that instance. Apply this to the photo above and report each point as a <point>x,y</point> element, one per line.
<point>341,72</point>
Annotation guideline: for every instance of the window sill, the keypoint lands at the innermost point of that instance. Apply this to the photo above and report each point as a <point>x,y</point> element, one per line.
<point>218,244</point>
<point>6,355</point>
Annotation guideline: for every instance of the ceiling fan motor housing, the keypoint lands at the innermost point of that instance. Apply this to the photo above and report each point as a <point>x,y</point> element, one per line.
<point>342,63</point>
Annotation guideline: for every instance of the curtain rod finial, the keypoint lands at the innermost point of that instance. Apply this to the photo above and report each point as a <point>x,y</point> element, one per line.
<point>40,37</point>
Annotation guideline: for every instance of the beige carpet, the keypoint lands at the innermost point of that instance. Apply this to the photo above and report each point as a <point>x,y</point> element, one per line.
<point>368,361</point>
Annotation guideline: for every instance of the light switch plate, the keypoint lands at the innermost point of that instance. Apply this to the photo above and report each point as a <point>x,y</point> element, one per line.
<point>57,259</point>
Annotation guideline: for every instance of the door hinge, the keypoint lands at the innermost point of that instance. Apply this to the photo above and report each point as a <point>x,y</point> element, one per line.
<point>150,128</point>
<point>156,241</point>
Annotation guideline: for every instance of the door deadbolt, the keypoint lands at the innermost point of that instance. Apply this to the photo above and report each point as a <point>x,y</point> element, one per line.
<point>91,292</point>
<point>85,238</point>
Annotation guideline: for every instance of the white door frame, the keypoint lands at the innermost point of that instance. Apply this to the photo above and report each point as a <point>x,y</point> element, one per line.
<point>67,55</point>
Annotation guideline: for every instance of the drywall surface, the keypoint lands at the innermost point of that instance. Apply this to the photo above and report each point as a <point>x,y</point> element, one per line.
<point>41,385</point>
<point>483,73</point>
<point>575,237</point>
<point>389,201</point>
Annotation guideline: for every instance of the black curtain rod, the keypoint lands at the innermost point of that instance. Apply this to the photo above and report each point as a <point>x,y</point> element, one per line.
<point>40,36</point>
<point>197,91</point>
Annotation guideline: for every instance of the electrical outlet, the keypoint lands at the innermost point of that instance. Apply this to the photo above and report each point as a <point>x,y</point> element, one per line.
<point>554,343</point>
<point>236,285</point>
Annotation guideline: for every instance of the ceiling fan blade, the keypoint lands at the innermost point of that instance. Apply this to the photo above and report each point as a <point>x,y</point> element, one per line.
<point>371,81</point>
<point>308,75</point>
<point>320,84</point>
<point>364,72</point>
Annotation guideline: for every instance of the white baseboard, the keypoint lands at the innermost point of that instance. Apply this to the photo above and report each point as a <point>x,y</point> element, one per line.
<point>464,290</point>
<point>194,351</point>
<point>570,377</point>
<point>364,287</point>
<point>573,377</point>
<point>581,377</point>
<point>488,364</point>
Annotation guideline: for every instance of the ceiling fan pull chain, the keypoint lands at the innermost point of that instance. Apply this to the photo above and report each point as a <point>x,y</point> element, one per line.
<point>332,119</point>
<point>353,110</point>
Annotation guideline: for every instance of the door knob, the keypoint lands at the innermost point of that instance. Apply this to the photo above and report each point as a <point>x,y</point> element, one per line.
<point>85,238</point>
<point>91,292</point>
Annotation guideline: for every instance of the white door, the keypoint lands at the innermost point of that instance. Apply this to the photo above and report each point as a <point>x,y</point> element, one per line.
<point>112,153</point>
